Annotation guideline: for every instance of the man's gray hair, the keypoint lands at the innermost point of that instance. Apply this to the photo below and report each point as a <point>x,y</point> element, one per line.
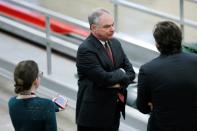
<point>93,18</point>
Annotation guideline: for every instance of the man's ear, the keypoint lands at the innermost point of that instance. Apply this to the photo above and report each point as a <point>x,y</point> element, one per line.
<point>93,27</point>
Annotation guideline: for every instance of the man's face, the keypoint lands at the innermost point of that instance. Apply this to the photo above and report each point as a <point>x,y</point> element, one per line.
<point>104,30</point>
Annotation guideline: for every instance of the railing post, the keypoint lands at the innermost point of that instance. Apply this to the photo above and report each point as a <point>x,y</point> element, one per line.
<point>182,18</point>
<point>47,27</point>
<point>116,14</point>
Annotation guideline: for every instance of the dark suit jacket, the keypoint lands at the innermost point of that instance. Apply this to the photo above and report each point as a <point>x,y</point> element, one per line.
<point>97,100</point>
<point>170,83</point>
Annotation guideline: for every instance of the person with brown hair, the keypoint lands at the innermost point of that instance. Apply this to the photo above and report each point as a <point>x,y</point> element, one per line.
<point>29,112</point>
<point>167,86</point>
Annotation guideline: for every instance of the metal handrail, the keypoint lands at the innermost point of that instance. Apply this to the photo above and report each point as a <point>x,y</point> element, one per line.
<point>124,3</point>
<point>51,14</point>
<point>194,1</point>
<point>153,12</point>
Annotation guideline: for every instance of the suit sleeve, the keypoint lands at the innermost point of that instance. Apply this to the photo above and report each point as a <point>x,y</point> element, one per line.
<point>143,92</point>
<point>88,65</point>
<point>127,66</point>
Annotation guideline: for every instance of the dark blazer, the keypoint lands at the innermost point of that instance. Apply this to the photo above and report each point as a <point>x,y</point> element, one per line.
<point>170,83</point>
<point>96,99</point>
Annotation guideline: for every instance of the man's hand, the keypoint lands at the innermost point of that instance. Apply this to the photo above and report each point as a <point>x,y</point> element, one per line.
<point>117,86</point>
<point>122,70</point>
<point>151,105</point>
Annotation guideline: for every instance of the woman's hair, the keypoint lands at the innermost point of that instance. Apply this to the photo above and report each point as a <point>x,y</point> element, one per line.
<point>168,36</point>
<point>25,74</point>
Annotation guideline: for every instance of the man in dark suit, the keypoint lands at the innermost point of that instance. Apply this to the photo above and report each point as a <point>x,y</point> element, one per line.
<point>104,73</point>
<point>167,85</point>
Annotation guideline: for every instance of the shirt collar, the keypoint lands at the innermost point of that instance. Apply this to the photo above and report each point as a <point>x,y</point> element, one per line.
<point>102,42</point>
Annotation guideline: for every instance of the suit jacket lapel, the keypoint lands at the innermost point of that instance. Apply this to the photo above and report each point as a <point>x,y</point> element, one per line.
<point>102,53</point>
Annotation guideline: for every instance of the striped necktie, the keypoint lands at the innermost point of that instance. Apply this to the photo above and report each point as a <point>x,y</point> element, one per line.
<point>109,52</point>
